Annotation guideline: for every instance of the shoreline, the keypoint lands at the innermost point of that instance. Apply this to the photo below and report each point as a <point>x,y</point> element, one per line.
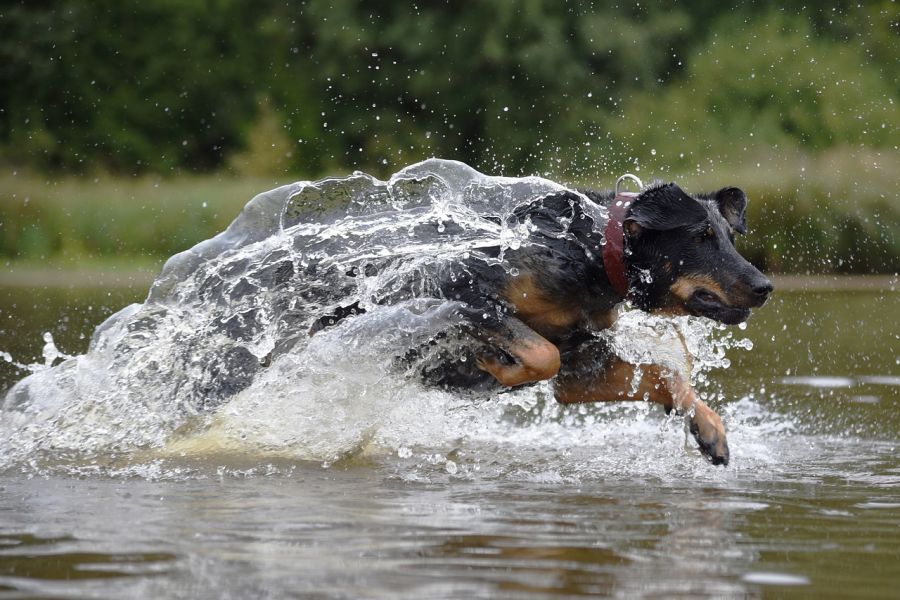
<point>833,283</point>
<point>125,276</point>
<point>63,276</point>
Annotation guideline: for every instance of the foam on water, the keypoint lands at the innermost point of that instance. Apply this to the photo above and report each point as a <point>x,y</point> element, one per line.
<point>218,359</point>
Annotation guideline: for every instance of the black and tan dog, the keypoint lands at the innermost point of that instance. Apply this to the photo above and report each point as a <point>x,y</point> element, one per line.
<point>531,316</point>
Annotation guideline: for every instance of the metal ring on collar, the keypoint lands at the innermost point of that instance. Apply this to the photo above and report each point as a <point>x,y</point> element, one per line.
<point>628,177</point>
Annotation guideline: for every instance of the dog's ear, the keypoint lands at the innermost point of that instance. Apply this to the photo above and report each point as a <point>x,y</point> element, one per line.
<point>663,207</point>
<point>732,203</point>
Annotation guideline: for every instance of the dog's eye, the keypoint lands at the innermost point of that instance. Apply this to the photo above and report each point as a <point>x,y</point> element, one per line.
<point>709,233</point>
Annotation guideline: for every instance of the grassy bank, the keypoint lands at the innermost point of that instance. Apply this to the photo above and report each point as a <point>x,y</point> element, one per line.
<point>101,273</point>
<point>835,213</point>
<point>80,220</point>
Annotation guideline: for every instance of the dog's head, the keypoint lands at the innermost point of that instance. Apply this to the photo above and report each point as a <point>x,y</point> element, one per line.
<point>680,254</point>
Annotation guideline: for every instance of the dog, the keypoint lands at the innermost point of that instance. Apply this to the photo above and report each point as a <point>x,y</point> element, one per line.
<point>531,313</point>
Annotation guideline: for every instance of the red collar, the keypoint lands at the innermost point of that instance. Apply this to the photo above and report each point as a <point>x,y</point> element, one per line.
<point>614,249</point>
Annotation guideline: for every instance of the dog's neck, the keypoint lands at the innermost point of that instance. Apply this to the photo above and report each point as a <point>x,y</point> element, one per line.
<point>614,248</point>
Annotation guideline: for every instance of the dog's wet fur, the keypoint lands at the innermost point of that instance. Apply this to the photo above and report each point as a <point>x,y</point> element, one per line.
<point>533,316</point>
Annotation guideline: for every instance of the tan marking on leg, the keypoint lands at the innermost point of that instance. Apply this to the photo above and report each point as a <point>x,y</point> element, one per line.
<point>615,383</point>
<point>658,386</point>
<point>536,361</point>
<point>707,427</point>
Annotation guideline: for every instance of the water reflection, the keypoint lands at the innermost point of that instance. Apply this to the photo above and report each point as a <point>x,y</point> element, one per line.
<point>809,508</point>
<point>39,566</point>
<point>27,556</point>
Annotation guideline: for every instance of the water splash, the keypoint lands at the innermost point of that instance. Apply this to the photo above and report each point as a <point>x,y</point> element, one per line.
<point>219,359</point>
<point>49,352</point>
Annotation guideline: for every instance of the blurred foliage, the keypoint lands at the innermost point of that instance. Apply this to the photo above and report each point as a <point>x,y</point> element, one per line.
<point>518,86</point>
<point>79,218</point>
<point>128,86</point>
<point>772,84</point>
<point>268,151</point>
<point>691,89</point>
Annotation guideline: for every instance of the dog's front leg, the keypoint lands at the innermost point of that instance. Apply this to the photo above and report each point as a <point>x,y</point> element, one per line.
<point>592,373</point>
<point>533,357</point>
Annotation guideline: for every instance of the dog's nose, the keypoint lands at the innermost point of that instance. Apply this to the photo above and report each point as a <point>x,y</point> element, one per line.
<point>762,289</point>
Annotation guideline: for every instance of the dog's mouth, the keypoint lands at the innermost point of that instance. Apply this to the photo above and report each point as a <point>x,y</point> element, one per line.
<point>704,303</point>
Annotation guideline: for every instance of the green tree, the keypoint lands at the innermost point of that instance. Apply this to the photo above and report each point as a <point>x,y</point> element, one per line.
<point>763,83</point>
<point>129,85</point>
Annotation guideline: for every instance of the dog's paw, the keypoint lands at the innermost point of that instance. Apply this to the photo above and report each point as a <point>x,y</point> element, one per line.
<point>707,429</point>
<point>487,361</point>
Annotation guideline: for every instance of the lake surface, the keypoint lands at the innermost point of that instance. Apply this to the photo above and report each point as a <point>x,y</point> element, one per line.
<point>596,500</point>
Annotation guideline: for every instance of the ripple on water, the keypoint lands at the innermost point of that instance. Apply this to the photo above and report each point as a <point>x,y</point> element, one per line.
<point>763,578</point>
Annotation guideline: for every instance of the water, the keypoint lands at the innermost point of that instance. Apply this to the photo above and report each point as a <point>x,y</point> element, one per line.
<point>313,482</point>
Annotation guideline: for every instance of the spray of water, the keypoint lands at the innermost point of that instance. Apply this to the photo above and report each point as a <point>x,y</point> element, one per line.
<point>219,359</point>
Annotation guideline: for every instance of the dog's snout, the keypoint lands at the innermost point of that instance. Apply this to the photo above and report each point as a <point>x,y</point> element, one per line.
<point>760,290</point>
<point>763,288</point>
